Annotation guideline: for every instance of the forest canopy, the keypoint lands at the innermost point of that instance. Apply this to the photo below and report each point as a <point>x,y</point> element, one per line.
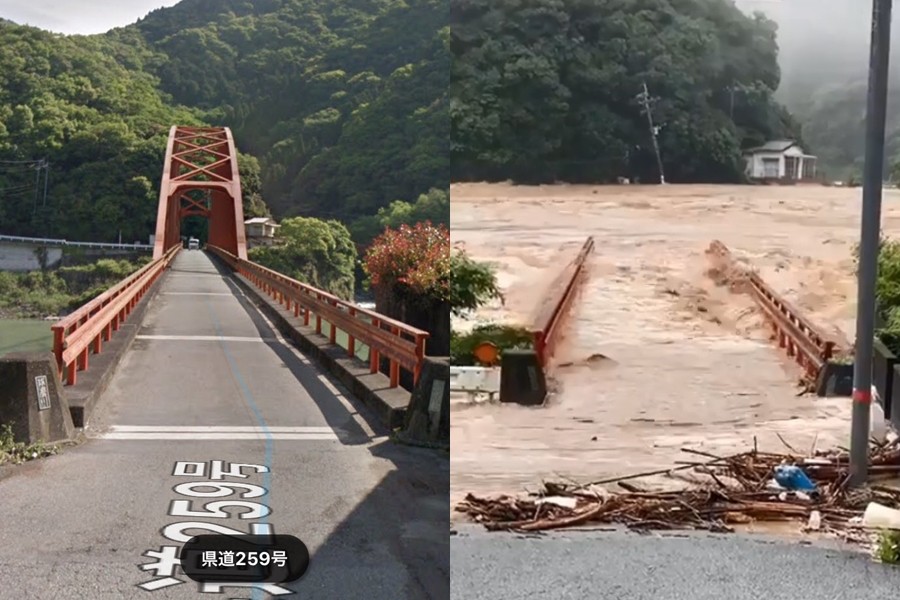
<point>339,109</point>
<point>548,89</point>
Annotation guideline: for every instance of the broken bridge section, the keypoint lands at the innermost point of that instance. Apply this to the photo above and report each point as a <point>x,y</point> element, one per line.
<point>200,178</point>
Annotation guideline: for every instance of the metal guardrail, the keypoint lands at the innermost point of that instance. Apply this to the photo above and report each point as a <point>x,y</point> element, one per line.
<point>799,337</point>
<point>548,321</point>
<point>55,242</point>
<point>402,344</point>
<point>83,332</point>
<point>475,380</point>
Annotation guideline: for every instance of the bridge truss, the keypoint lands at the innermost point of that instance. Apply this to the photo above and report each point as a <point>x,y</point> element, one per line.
<point>200,178</point>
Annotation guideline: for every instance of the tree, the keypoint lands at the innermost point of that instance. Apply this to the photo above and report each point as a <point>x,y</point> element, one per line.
<point>472,284</point>
<point>547,90</point>
<point>319,253</point>
<point>337,109</point>
<point>433,207</point>
<point>409,268</point>
<point>411,262</point>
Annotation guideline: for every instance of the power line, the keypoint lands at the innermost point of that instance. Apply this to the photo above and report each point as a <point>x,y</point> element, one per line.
<point>17,188</point>
<point>20,162</point>
<point>16,193</point>
<point>15,168</point>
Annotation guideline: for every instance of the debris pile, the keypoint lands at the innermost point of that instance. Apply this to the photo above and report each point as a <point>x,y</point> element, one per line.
<point>742,488</point>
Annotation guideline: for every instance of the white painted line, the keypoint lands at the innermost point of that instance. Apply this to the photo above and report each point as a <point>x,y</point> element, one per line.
<point>215,429</point>
<point>203,338</point>
<point>158,584</point>
<point>162,435</point>
<point>197,294</point>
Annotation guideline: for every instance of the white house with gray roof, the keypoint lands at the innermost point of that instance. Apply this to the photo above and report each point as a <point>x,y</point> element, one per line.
<point>260,231</point>
<point>780,160</point>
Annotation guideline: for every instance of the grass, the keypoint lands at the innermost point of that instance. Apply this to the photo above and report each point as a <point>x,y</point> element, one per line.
<point>887,547</point>
<point>41,293</point>
<point>17,453</point>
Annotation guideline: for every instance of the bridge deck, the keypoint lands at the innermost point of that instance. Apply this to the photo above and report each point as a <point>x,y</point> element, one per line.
<point>209,379</point>
<point>206,356</point>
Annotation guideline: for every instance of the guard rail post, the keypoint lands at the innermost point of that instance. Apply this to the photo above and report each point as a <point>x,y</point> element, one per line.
<point>401,344</point>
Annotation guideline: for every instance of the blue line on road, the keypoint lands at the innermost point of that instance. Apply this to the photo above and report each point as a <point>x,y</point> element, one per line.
<point>248,396</point>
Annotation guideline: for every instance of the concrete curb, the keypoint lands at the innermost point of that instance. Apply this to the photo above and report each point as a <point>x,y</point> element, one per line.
<point>83,396</point>
<point>372,389</point>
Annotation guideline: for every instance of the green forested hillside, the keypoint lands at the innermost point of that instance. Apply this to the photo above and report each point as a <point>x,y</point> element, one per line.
<point>548,89</point>
<point>340,108</point>
<point>101,126</point>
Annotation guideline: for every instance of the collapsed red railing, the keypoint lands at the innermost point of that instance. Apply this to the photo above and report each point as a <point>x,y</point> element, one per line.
<point>551,314</point>
<point>799,337</point>
<point>83,332</point>
<point>402,344</point>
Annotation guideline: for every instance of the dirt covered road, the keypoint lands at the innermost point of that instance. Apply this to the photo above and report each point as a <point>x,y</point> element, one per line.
<point>663,357</point>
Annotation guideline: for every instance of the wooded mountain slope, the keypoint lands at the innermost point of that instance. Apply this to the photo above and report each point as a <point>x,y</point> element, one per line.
<point>548,89</point>
<point>341,108</point>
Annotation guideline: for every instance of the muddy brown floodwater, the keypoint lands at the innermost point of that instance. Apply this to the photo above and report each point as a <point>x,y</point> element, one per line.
<point>662,358</point>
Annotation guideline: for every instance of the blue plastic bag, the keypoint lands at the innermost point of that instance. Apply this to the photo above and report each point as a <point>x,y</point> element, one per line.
<point>792,477</point>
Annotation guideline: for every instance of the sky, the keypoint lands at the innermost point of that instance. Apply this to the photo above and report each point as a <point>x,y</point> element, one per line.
<point>78,16</point>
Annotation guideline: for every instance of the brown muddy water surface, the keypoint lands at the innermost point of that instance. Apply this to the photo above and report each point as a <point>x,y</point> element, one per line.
<point>663,358</point>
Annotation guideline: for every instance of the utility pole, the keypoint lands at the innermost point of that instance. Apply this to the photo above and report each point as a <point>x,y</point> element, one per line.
<point>37,188</point>
<point>731,109</point>
<point>869,240</point>
<point>46,179</point>
<point>645,100</point>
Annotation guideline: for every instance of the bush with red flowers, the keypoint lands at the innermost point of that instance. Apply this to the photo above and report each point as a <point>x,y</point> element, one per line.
<point>413,260</point>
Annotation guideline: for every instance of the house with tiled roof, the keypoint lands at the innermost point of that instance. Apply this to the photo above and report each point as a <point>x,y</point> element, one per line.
<point>780,160</point>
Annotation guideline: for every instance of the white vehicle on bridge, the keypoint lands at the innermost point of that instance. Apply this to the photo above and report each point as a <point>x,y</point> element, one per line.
<point>193,244</point>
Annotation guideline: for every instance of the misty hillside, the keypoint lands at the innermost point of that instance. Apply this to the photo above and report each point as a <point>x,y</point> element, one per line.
<point>824,56</point>
<point>821,42</point>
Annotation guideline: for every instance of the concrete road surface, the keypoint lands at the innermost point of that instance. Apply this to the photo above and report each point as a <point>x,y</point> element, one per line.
<point>208,379</point>
<point>620,566</point>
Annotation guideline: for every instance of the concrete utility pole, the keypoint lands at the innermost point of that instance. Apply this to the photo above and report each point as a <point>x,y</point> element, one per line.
<point>46,179</point>
<point>644,98</point>
<point>869,240</point>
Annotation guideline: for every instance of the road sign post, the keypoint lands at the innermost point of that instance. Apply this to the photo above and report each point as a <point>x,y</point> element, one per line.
<point>869,240</point>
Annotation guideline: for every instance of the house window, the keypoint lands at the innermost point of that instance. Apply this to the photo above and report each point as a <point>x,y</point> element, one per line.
<point>770,168</point>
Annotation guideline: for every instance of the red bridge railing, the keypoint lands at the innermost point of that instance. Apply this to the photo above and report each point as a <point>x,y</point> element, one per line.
<point>83,332</point>
<point>402,344</point>
<point>548,322</point>
<point>794,333</point>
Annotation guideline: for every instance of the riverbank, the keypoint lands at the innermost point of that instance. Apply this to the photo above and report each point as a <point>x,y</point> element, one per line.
<point>54,293</point>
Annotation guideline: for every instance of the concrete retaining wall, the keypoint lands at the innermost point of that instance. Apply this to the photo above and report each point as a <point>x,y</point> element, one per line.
<point>23,256</point>
<point>27,257</point>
